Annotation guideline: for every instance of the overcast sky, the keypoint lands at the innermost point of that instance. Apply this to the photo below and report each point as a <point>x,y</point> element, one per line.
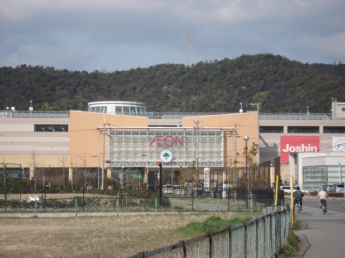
<point>110,35</point>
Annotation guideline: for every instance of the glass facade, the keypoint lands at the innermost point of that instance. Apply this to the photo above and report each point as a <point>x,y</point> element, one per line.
<point>316,176</point>
<point>142,148</point>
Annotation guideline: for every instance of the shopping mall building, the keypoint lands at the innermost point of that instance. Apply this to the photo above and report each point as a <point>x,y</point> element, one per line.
<point>121,140</point>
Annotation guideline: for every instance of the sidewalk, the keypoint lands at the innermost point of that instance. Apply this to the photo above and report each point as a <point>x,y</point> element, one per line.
<point>320,235</point>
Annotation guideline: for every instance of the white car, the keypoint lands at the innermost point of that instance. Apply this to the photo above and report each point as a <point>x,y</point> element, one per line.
<point>287,189</point>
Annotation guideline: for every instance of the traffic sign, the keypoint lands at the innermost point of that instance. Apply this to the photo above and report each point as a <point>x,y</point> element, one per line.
<point>159,163</point>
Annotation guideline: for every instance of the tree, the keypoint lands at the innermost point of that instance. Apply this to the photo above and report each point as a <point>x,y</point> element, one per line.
<point>252,169</point>
<point>123,177</point>
<point>63,162</point>
<point>34,165</point>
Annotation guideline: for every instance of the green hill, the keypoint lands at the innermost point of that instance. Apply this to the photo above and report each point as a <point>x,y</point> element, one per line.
<point>281,85</point>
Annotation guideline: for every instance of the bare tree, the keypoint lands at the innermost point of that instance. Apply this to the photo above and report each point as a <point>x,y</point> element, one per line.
<point>86,171</point>
<point>171,174</point>
<point>34,165</point>
<point>122,176</point>
<point>63,162</point>
<point>74,174</point>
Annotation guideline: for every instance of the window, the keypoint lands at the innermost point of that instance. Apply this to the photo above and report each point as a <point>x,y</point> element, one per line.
<point>126,111</point>
<point>133,111</point>
<point>303,129</point>
<point>118,110</point>
<point>343,109</point>
<point>51,128</point>
<point>271,129</point>
<point>334,129</point>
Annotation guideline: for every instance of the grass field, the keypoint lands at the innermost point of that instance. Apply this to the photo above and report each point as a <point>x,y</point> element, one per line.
<point>95,236</point>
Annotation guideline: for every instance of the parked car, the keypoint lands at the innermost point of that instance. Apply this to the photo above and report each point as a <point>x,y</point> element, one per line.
<point>337,188</point>
<point>327,188</point>
<point>287,189</point>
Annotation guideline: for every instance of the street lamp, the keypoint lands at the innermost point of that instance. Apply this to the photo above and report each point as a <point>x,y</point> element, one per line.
<point>246,139</point>
<point>97,169</point>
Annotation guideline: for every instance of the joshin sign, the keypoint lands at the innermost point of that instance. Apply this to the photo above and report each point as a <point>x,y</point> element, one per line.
<point>297,144</point>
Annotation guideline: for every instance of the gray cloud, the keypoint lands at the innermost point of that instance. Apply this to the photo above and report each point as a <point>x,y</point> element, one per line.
<point>120,35</point>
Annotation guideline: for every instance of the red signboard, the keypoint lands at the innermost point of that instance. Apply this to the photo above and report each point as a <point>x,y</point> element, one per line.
<point>290,144</point>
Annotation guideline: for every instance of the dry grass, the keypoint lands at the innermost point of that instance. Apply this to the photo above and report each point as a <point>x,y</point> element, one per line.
<point>92,236</point>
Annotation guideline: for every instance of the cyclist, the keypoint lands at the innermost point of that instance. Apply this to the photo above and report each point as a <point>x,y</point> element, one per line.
<point>298,197</point>
<point>322,195</point>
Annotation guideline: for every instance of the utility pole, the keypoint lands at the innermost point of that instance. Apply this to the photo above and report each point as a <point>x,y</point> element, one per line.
<point>189,40</point>
<point>257,104</point>
<point>197,153</point>
<point>159,163</point>
<point>102,185</point>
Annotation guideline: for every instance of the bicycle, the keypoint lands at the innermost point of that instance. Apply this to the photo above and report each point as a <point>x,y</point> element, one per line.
<point>323,202</point>
<point>299,208</point>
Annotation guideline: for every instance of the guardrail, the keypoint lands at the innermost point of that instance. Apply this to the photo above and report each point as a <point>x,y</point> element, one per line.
<point>33,114</point>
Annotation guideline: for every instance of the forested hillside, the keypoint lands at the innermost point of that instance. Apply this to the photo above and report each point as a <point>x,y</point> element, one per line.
<point>281,85</point>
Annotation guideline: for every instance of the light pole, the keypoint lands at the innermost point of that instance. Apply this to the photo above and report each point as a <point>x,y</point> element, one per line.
<point>97,170</point>
<point>197,154</point>
<point>102,187</point>
<point>246,138</point>
<point>340,176</point>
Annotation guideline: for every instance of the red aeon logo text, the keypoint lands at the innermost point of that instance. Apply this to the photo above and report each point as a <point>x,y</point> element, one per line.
<point>167,140</point>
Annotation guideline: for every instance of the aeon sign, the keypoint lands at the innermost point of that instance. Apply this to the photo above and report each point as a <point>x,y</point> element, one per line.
<point>169,140</point>
<point>297,144</point>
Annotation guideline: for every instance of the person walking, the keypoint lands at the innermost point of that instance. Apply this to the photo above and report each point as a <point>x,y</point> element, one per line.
<point>322,195</point>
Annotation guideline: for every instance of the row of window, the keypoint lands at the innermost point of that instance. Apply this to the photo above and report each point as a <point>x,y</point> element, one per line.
<point>302,129</point>
<point>51,128</point>
<point>119,110</point>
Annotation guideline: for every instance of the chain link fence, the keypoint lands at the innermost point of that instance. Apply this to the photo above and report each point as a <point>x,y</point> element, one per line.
<point>119,205</point>
<point>259,238</point>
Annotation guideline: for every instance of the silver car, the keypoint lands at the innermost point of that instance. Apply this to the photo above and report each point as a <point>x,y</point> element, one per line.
<point>337,188</point>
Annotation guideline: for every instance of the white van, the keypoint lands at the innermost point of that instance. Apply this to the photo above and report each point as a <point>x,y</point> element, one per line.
<point>287,189</point>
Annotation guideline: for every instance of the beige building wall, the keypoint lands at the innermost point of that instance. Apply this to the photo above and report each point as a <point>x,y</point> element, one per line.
<point>86,135</point>
<point>18,137</point>
<point>246,125</point>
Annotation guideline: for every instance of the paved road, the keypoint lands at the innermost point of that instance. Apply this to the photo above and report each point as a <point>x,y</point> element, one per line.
<point>336,205</point>
<point>322,235</point>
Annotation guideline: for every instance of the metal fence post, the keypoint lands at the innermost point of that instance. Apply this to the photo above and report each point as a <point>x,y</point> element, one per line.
<point>192,203</point>
<point>117,206</point>
<point>197,204</point>
<point>245,238</point>
<point>228,202</point>
<point>265,246</point>
<point>230,242</point>
<point>35,208</point>
<point>218,204</point>
<point>76,207</point>
<point>184,248</point>
<point>256,237</point>
<point>271,237</point>
<point>210,244</point>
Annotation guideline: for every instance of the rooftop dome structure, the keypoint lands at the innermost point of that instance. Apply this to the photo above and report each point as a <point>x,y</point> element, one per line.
<point>127,108</point>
